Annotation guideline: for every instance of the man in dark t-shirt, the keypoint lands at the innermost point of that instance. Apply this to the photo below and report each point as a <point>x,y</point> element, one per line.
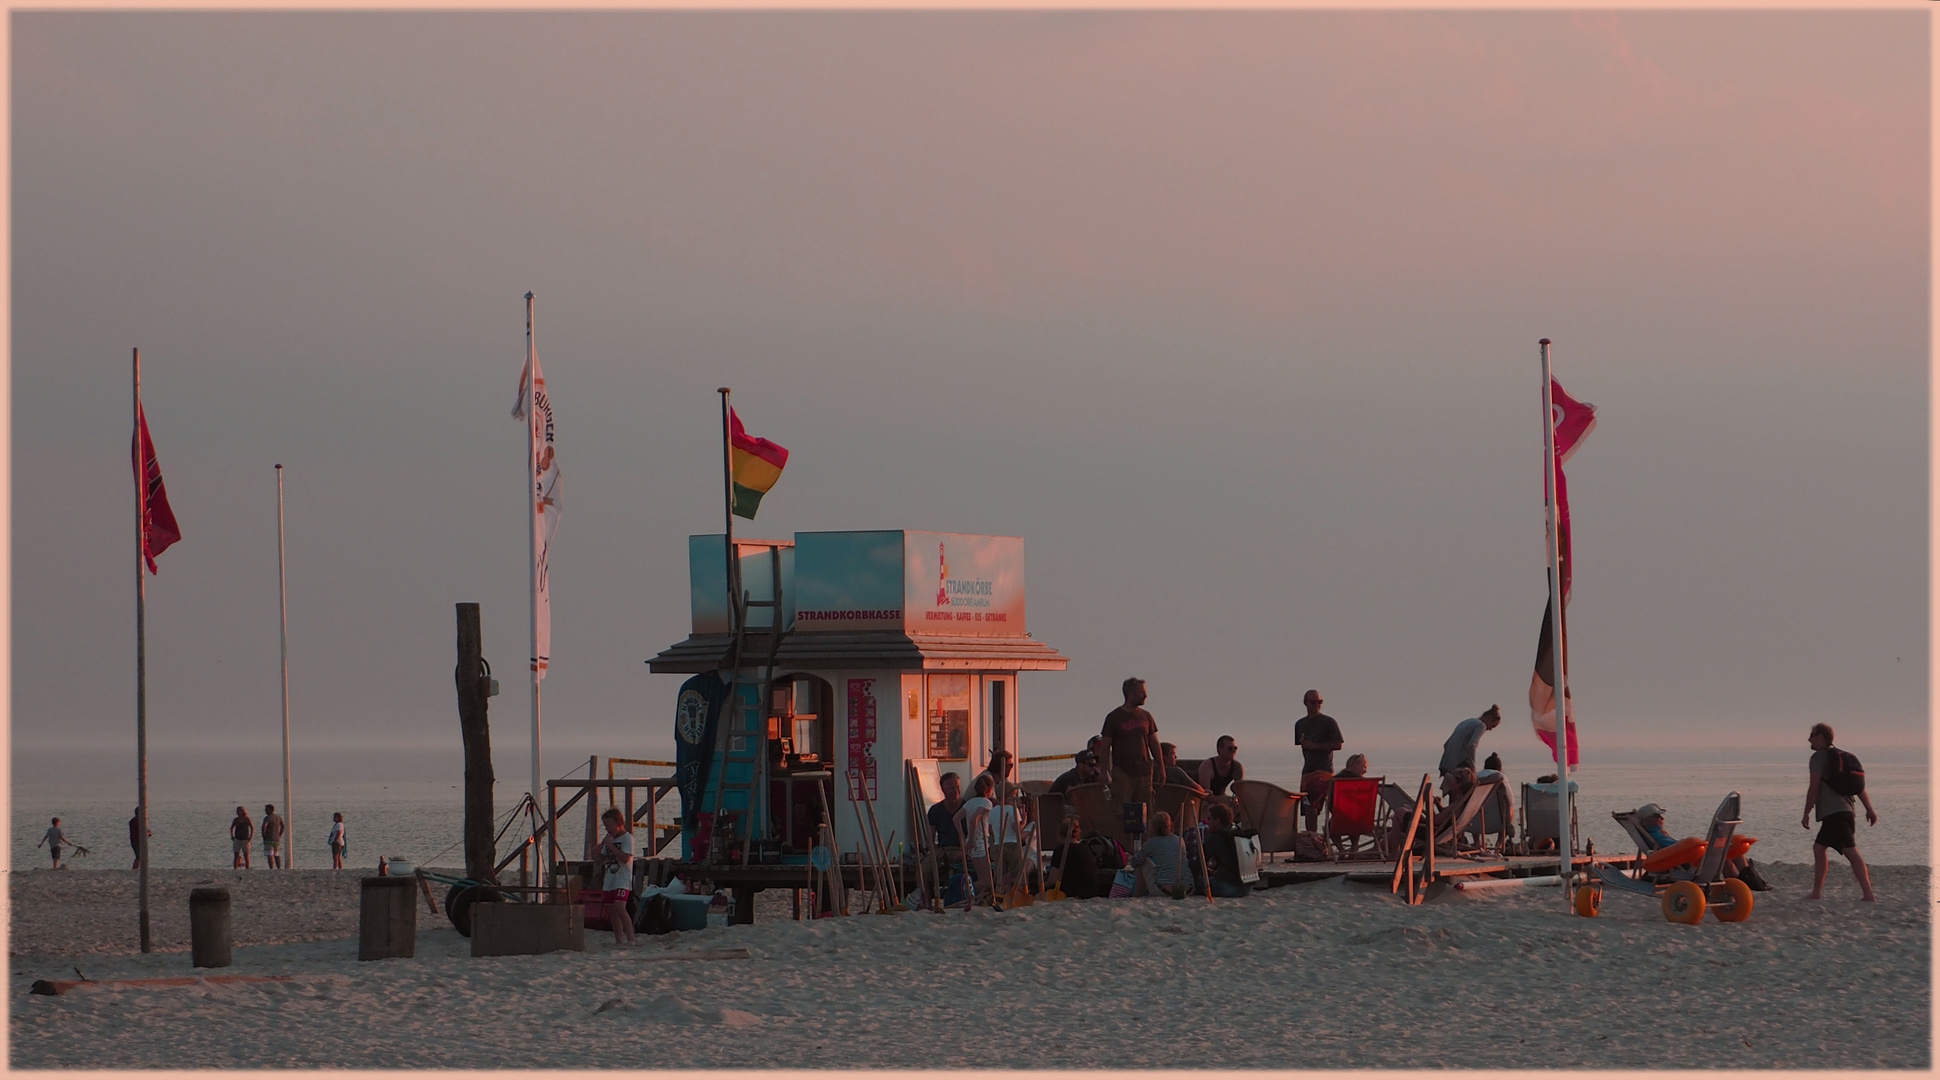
<point>942,818</point>
<point>1084,770</point>
<point>1130,751</point>
<point>1319,736</point>
<point>1838,824</point>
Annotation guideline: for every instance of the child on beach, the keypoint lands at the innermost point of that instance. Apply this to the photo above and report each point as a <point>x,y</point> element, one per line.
<point>1161,861</point>
<point>54,838</point>
<point>616,855</point>
<point>972,822</point>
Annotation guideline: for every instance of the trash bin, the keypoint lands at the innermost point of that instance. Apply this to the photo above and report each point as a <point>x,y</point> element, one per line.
<point>387,922</point>
<point>209,928</point>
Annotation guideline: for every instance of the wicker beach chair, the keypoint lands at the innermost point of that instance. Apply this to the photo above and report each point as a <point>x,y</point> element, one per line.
<point>1181,803</point>
<point>1351,806</point>
<point>1270,810</point>
<point>1050,812</point>
<point>1539,817</point>
<point>1094,808</point>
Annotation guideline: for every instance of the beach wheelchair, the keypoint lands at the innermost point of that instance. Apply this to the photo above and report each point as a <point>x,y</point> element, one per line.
<point>1686,878</point>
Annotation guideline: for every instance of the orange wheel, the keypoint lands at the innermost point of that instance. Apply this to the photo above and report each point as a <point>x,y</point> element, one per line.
<point>1684,902</point>
<point>1589,900</point>
<point>1731,901</point>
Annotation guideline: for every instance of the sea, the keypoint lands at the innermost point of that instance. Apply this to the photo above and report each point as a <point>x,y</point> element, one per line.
<point>409,804</point>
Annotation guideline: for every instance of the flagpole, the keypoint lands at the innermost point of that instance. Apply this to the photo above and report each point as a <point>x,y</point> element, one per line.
<point>283,616</point>
<point>735,614</point>
<point>532,532</point>
<point>141,662</point>
<point>1565,842</point>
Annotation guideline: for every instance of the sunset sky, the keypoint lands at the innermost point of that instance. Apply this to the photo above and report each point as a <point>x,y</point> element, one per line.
<point>1232,317</point>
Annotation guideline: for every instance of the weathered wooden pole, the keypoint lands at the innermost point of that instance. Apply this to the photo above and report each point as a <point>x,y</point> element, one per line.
<point>474,692</point>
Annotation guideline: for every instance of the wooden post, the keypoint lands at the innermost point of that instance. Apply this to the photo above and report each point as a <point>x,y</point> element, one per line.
<point>474,691</point>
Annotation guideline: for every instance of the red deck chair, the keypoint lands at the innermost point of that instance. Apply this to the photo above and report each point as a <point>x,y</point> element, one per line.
<point>1350,812</point>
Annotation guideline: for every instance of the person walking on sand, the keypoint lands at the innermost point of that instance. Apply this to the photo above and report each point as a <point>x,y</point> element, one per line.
<point>241,830</point>
<point>54,838</point>
<point>616,855</point>
<point>337,841</point>
<point>273,830</point>
<point>1838,825</point>
<point>1318,736</point>
<point>1130,751</point>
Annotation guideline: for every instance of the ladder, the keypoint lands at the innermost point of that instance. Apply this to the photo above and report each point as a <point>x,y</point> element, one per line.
<point>741,739</point>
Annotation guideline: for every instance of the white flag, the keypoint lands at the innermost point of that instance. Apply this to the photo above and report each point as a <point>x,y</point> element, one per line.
<point>543,474</point>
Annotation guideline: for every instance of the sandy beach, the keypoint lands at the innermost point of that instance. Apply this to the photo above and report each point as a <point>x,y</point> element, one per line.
<point>1328,974</point>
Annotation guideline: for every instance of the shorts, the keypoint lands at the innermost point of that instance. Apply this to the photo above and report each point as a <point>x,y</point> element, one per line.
<point>55,850</point>
<point>1840,832</point>
<point>272,845</point>
<point>615,897</point>
<point>1315,785</point>
<point>238,845</point>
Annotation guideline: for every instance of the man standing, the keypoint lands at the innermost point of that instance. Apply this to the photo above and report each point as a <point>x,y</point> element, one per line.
<point>134,836</point>
<point>942,817</point>
<point>241,831</point>
<point>1131,747</point>
<point>1318,736</point>
<point>1838,826</point>
<point>272,838</point>
<point>1459,751</point>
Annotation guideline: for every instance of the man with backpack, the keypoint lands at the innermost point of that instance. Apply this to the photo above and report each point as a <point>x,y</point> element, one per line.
<point>1837,778</point>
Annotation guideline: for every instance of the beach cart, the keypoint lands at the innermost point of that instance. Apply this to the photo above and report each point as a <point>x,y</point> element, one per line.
<point>1686,879</point>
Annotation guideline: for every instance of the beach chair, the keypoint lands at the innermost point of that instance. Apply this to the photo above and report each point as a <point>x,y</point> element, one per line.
<point>1178,801</point>
<point>1687,890</point>
<point>1499,818</point>
<point>1050,811</point>
<point>1095,811</point>
<point>1035,788</point>
<point>1539,817</point>
<point>1396,806</point>
<point>1467,819</point>
<point>1351,806</point>
<point>1270,810</point>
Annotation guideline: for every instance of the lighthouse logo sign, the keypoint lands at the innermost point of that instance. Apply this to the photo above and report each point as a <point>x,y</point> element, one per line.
<point>975,586</point>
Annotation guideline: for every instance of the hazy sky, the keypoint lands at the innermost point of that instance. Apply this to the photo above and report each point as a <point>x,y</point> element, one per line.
<point>1232,317</point>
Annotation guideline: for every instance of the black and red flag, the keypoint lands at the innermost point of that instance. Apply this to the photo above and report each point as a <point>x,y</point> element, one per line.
<point>1572,420</point>
<point>158,528</point>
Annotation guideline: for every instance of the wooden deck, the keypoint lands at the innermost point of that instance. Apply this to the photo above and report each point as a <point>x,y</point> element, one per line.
<point>1374,871</point>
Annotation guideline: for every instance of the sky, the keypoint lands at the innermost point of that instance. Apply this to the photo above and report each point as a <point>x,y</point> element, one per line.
<point>1233,317</point>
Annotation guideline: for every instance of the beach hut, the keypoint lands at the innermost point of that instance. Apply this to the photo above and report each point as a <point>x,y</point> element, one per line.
<point>850,654</point>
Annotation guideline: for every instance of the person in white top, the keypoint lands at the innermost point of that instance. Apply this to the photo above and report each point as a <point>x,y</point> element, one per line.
<point>616,855</point>
<point>973,825</point>
<point>337,841</point>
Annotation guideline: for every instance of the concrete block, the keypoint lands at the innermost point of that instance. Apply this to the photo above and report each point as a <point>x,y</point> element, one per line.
<point>525,929</point>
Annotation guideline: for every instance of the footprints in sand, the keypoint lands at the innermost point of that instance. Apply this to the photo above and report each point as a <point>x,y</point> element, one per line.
<point>668,1009</point>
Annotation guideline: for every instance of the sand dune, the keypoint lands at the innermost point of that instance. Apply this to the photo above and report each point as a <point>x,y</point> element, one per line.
<point>1320,975</point>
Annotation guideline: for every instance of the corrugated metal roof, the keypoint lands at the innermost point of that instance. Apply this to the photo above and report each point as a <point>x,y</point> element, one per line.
<point>867,649</point>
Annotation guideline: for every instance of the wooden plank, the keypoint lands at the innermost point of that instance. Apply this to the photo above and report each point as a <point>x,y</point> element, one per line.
<point>62,986</point>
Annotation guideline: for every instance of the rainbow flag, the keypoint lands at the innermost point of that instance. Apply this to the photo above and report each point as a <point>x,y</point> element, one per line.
<point>755,464</point>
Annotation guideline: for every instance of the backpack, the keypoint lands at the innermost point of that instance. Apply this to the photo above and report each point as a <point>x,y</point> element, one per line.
<point>1848,776</point>
<point>1108,852</point>
<point>656,915</point>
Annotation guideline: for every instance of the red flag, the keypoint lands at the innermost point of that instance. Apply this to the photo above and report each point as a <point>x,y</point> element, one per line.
<point>158,528</point>
<point>1573,420</point>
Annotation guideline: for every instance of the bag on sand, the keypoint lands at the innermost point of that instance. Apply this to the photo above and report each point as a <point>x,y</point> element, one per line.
<point>1310,847</point>
<point>1848,776</point>
<point>656,915</point>
<point>1123,883</point>
<point>1109,853</point>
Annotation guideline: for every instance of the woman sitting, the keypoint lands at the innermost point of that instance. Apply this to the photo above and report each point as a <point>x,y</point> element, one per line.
<point>1161,861</point>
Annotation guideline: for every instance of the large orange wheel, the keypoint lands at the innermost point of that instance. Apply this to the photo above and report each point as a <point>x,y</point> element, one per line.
<point>1684,902</point>
<point>1731,901</point>
<point>1589,900</point>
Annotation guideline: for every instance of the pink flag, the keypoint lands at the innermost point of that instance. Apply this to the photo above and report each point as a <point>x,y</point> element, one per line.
<point>1572,420</point>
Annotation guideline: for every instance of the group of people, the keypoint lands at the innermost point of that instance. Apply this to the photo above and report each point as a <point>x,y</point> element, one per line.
<point>1128,757</point>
